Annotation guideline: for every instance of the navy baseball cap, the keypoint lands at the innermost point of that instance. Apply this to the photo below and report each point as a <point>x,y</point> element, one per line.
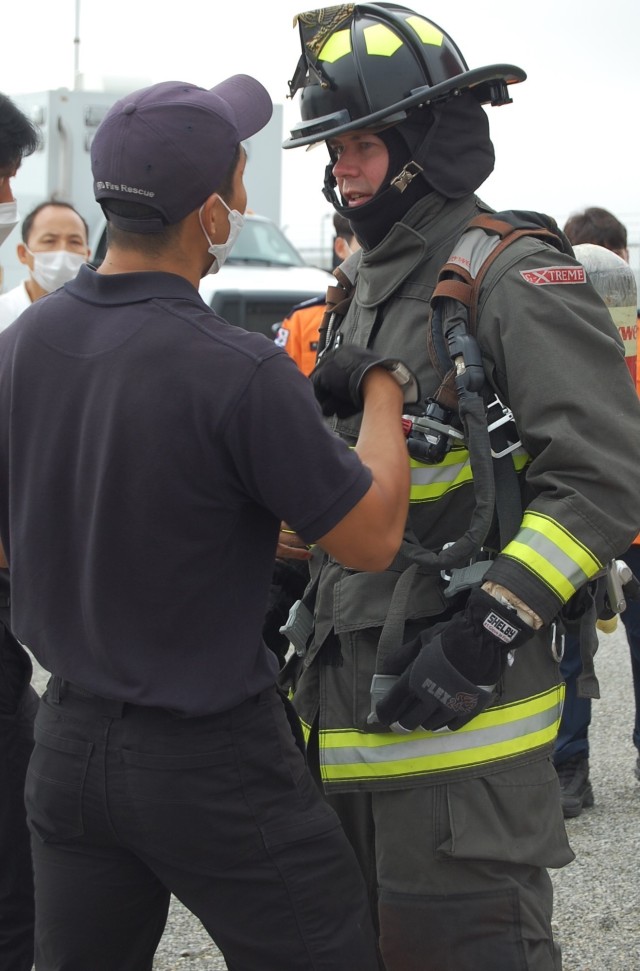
<point>170,146</point>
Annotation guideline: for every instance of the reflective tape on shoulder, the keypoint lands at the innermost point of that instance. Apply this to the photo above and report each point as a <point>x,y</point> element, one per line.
<point>496,734</point>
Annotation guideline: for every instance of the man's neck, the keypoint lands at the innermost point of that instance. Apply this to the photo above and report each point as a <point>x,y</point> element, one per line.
<point>34,290</point>
<point>129,261</point>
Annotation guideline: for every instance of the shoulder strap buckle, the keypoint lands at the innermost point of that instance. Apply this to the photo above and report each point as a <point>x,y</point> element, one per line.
<point>505,417</point>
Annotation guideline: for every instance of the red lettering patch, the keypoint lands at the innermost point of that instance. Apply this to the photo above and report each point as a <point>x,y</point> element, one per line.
<point>555,274</point>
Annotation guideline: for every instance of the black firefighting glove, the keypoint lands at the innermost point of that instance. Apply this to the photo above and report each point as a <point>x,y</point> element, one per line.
<point>337,379</point>
<point>448,673</point>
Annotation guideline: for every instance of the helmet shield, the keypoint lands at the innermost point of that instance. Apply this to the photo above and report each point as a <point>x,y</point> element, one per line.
<point>368,65</point>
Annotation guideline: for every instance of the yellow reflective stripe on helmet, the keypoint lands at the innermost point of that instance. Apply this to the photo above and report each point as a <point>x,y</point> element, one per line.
<point>430,482</point>
<point>338,44</point>
<point>428,33</point>
<point>497,733</point>
<point>380,40</point>
<point>556,557</point>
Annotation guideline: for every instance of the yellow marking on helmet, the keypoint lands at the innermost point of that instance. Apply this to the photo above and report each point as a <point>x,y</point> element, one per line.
<point>380,40</point>
<point>338,44</point>
<point>428,33</point>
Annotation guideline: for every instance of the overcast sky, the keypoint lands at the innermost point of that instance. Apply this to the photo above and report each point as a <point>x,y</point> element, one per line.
<point>570,139</point>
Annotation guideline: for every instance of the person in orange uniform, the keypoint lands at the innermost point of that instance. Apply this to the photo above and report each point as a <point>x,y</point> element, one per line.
<point>298,334</point>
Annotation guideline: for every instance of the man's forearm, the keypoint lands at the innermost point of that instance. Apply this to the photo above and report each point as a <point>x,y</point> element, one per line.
<point>382,445</point>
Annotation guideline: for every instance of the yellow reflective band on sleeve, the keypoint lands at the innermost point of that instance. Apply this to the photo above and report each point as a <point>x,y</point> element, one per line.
<point>548,550</point>
<point>336,47</point>
<point>496,734</point>
<point>431,482</point>
<point>381,41</point>
<point>428,33</point>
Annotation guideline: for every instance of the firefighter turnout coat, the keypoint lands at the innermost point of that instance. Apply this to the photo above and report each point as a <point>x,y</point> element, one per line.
<point>552,354</point>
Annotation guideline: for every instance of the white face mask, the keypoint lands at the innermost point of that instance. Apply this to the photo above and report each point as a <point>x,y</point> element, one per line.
<point>52,269</point>
<point>8,219</point>
<point>220,251</point>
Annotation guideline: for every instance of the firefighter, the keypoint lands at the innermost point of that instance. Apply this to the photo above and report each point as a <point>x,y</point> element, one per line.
<point>298,333</point>
<point>444,781</point>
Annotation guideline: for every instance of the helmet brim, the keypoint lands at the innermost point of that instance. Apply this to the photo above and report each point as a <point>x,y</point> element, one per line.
<point>488,84</point>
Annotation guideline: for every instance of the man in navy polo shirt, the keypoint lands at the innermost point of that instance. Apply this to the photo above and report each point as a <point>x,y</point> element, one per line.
<point>150,452</point>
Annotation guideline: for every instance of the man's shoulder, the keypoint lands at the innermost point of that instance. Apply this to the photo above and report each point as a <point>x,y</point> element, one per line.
<point>307,308</point>
<point>12,303</point>
<point>18,296</point>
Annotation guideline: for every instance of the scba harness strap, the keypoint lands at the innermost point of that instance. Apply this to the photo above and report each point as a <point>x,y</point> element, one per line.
<point>455,355</point>
<point>456,296</point>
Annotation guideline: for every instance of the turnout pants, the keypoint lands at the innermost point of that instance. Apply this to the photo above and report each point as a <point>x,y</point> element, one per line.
<point>127,804</point>
<point>460,870</point>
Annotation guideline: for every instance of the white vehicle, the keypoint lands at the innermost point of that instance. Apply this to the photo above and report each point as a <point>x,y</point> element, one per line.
<point>263,278</point>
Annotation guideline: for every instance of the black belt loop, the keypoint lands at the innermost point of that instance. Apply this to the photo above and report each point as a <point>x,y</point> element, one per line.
<point>53,689</point>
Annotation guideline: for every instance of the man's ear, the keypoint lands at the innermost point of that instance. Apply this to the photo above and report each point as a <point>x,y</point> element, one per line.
<point>341,248</point>
<point>208,215</point>
<point>24,256</point>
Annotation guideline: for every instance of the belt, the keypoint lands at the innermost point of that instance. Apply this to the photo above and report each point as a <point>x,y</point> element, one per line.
<point>58,688</point>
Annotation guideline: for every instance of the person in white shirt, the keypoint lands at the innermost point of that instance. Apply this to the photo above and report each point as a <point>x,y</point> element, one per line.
<point>54,246</point>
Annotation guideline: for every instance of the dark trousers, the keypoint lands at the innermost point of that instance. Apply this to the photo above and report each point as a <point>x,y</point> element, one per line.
<point>18,705</point>
<point>631,620</point>
<point>127,804</point>
<point>573,736</point>
<point>573,733</point>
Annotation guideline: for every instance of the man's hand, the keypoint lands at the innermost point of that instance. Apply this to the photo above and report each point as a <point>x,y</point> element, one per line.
<point>338,379</point>
<point>448,673</point>
<point>291,546</point>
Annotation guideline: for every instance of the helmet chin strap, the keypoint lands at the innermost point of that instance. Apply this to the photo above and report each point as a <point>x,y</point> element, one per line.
<point>329,186</point>
<point>398,184</point>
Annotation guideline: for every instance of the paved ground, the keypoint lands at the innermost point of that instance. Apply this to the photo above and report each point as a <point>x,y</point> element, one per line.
<point>597,916</point>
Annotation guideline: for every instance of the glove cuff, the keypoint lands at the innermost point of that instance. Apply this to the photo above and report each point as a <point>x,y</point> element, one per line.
<point>490,617</point>
<point>401,374</point>
<point>405,378</point>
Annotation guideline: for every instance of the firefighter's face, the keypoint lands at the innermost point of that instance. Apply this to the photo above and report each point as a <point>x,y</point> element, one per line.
<point>362,160</point>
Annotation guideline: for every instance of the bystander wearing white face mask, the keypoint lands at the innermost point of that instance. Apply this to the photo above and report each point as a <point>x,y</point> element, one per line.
<point>8,219</point>
<point>53,269</point>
